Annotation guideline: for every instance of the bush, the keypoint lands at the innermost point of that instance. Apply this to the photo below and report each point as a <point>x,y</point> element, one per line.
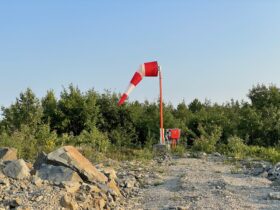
<point>95,139</point>
<point>269,154</point>
<point>239,150</point>
<point>235,148</point>
<point>23,141</point>
<point>207,141</point>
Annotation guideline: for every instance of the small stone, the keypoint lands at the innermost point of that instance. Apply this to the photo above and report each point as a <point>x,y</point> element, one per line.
<point>129,183</point>
<point>110,173</point>
<point>182,208</point>
<point>264,174</point>
<point>217,154</point>
<point>39,198</point>
<point>8,154</point>
<point>94,189</point>
<point>15,203</point>
<point>23,186</point>
<point>67,202</point>
<point>81,197</point>
<point>274,195</point>
<point>71,187</point>
<point>100,203</point>
<point>5,182</point>
<point>37,181</point>
<point>22,208</point>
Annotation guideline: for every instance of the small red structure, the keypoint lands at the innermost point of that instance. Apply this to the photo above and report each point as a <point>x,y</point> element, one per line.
<point>173,136</point>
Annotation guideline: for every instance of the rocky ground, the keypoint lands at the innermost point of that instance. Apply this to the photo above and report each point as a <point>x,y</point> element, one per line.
<point>208,182</point>
<point>64,179</point>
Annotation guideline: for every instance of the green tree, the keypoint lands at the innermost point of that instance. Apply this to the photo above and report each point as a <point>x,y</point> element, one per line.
<point>50,111</point>
<point>76,111</point>
<point>26,111</point>
<point>262,96</point>
<point>195,106</point>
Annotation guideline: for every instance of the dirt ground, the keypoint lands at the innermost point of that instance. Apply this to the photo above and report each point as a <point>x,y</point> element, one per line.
<point>189,183</point>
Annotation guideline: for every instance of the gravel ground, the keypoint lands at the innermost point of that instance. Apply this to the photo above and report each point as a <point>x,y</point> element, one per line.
<point>189,183</point>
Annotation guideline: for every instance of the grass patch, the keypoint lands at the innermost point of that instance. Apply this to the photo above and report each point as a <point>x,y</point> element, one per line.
<point>180,150</point>
<point>237,149</point>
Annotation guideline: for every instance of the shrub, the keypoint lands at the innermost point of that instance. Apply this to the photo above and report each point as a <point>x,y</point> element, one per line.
<point>95,139</point>
<point>236,148</point>
<point>207,141</point>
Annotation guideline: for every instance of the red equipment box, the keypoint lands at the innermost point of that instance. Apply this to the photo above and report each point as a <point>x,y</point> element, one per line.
<point>174,133</point>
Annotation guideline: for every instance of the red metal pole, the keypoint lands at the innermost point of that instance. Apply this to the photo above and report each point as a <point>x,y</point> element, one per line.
<point>162,140</point>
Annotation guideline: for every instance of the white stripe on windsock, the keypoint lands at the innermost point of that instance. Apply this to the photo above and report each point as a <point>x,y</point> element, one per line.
<point>141,70</point>
<point>129,89</point>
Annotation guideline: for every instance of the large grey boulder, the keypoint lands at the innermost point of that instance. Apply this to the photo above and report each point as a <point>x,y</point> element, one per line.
<point>57,174</point>
<point>7,154</point>
<point>17,169</point>
<point>70,157</point>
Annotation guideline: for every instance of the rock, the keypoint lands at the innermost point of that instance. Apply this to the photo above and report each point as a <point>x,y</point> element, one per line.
<point>129,183</point>
<point>37,181</point>
<point>274,195</point>
<point>8,154</point>
<point>5,182</point>
<point>259,168</point>
<point>274,173</point>
<point>67,202</point>
<point>99,203</point>
<point>71,187</point>
<point>217,154</point>
<point>70,157</point>
<point>182,208</point>
<point>160,149</point>
<point>57,174</point>
<point>258,171</point>
<point>39,198</point>
<point>81,197</point>
<point>40,160</point>
<point>90,188</point>
<point>94,189</point>
<point>264,174</point>
<point>23,208</point>
<point>113,186</point>
<point>200,155</point>
<point>110,173</point>
<point>17,169</point>
<point>15,203</point>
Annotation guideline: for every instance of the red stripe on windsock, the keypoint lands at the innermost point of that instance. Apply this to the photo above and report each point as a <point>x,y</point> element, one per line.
<point>122,100</point>
<point>151,69</point>
<point>136,79</point>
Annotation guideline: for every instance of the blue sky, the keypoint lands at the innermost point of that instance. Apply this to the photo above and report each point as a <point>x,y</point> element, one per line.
<point>215,49</point>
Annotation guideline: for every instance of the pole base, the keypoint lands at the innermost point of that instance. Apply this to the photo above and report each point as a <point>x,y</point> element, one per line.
<point>161,149</point>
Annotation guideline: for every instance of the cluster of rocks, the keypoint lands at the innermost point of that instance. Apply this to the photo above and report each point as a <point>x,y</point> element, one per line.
<point>136,177</point>
<point>262,168</point>
<point>62,179</point>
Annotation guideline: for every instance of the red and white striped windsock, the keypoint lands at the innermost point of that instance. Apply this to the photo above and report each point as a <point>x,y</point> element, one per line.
<point>146,70</point>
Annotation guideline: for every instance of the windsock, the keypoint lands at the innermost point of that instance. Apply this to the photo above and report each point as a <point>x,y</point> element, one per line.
<point>150,69</point>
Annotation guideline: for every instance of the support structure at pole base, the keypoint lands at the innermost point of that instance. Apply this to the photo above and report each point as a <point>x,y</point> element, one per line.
<point>161,149</point>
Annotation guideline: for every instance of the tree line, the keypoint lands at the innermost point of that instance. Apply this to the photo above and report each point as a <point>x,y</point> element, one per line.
<point>94,119</point>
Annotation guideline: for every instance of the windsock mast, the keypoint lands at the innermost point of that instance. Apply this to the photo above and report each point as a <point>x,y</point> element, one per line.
<point>150,69</point>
